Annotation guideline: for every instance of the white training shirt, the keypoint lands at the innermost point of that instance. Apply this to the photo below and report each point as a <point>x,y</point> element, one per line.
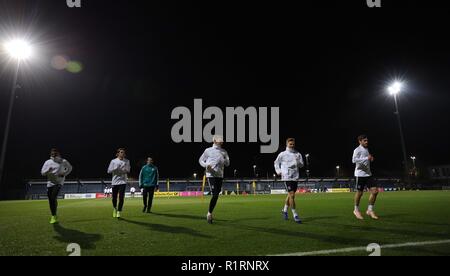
<point>288,164</point>
<point>361,160</point>
<point>217,158</point>
<point>56,171</point>
<point>133,190</point>
<point>119,170</point>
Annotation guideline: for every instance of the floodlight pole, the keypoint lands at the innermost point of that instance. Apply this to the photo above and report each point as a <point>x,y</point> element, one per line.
<point>402,138</point>
<point>307,168</point>
<point>8,121</point>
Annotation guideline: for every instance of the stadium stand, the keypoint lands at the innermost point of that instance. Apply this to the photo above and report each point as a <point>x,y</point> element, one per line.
<point>37,189</point>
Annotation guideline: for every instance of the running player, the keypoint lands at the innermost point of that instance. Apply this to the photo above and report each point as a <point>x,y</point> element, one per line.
<point>214,160</point>
<point>56,169</point>
<point>362,159</point>
<point>287,166</point>
<point>119,168</point>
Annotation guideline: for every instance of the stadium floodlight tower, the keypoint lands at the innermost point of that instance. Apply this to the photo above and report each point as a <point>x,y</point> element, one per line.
<point>413,158</point>
<point>307,165</point>
<point>18,50</point>
<point>394,90</point>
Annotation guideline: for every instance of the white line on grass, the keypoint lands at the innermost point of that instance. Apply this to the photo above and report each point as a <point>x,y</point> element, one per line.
<point>353,249</point>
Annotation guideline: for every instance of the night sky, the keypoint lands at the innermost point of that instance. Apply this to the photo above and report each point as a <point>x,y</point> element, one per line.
<point>325,65</point>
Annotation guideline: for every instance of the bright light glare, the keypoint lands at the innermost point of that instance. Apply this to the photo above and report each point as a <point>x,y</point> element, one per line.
<point>395,88</point>
<point>18,49</point>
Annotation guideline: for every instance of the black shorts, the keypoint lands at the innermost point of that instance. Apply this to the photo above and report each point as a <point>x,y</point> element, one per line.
<point>215,184</point>
<point>291,186</point>
<point>364,182</point>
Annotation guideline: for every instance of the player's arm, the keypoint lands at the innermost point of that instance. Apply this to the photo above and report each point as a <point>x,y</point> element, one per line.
<point>357,159</point>
<point>46,169</point>
<point>300,162</point>
<point>203,160</point>
<point>157,179</point>
<point>141,176</point>
<point>127,168</point>
<point>112,167</point>
<point>68,168</point>
<point>277,164</point>
<point>124,169</point>
<point>226,159</point>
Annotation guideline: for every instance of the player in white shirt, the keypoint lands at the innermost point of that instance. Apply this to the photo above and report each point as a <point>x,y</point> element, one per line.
<point>287,166</point>
<point>362,160</point>
<point>55,169</point>
<point>214,160</point>
<point>119,168</point>
<point>133,191</point>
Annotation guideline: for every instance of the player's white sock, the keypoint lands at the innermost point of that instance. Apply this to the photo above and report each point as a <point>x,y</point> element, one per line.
<point>286,208</point>
<point>370,208</point>
<point>356,208</point>
<point>294,212</point>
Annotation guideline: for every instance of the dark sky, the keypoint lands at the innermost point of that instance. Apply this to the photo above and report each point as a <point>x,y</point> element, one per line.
<point>325,65</point>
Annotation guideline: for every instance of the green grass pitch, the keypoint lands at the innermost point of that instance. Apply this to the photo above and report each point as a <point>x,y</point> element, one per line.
<point>244,226</point>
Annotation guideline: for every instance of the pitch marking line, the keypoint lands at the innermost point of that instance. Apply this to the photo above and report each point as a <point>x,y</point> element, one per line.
<point>353,249</point>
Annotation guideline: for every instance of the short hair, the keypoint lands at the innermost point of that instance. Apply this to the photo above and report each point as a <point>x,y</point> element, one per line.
<point>362,137</point>
<point>288,140</point>
<point>54,152</point>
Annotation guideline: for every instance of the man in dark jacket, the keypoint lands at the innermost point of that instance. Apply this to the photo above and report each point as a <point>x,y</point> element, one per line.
<point>148,180</point>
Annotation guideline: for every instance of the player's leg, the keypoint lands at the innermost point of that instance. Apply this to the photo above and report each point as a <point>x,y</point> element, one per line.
<point>215,194</point>
<point>284,211</point>
<point>52,194</point>
<point>372,199</point>
<point>115,193</point>
<point>216,186</point>
<point>122,189</point>
<point>151,194</point>
<point>55,197</point>
<point>292,190</point>
<point>292,200</point>
<point>145,197</point>
<point>358,195</point>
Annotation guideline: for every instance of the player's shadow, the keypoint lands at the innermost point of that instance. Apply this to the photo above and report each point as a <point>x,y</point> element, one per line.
<point>394,216</point>
<point>167,229</point>
<point>181,216</point>
<point>395,231</point>
<point>310,219</point>
<point>249,219</point>
<point>309,235</point>
<point>85,240</point>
